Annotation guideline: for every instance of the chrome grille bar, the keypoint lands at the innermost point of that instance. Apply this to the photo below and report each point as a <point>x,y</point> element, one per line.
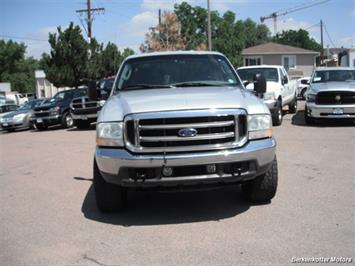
<point>198,137</point>
<point>194,125</point>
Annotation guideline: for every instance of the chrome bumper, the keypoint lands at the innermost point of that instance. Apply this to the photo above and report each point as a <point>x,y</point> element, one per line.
<point>110,161</point>
<point>83,116</point>
<point>330,111</point>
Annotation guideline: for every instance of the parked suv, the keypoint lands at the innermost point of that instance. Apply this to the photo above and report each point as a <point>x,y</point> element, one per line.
<point>56,111</point>
<point>84,109</point>
<point>331,94</point>
<point>280,90</point>
<point>182,120</point>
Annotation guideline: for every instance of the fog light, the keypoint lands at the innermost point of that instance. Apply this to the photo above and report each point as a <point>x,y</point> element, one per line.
<point>167,171</point>
<point>211,168</point>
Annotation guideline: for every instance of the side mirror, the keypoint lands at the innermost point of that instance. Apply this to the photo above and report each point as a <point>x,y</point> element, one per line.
<point>284,80</point>
<point>92,91</point>
<point>259,84</point>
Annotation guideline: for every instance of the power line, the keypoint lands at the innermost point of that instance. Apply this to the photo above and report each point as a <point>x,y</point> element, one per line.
<point>330,39</point>
<point>21,38</point>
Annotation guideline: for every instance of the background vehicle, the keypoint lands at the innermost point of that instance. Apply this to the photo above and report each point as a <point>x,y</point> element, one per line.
<point>84,110</point>
<point>302,86</point>
<point>331,94</point>
<point>182,119</point>
<point>21,118</point>
<point>280,90</point>
<point>57,110</point>
<point>7,108</point>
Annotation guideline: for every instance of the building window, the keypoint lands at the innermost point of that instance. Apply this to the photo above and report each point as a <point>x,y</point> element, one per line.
<point>253,61</point>
<point>289,61</point>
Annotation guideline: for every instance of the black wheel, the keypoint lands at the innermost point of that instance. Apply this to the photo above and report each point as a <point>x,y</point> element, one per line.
<point>262,188</point>
<point>277,115</point>
<point>80,124</point>
<point>67,120</point>
<point>109,197</point>
<point>309,120</point>
<point>292,107</point>
<point>40,127</point>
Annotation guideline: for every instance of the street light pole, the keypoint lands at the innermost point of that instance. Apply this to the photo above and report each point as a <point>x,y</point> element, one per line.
<point>209,26</point>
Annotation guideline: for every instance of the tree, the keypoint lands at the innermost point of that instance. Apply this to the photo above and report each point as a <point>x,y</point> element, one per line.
<point>66,65</point>
<point>298,38</point>
<point>15,68</point>
<point>166,36</point>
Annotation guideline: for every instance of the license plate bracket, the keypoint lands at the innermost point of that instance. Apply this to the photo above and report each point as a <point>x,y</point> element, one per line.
<point>338,111</point>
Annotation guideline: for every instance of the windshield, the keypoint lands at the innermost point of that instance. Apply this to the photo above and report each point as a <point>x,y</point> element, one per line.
<point>30,105</point>
<point>8,108</point>
<point>333,75</point>
<point>248,74</point>
<point>61,96</point>
<point>174,71</point>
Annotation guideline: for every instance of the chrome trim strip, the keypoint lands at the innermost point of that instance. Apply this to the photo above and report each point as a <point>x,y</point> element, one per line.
<point>197,137</point>
<point>193,125</point>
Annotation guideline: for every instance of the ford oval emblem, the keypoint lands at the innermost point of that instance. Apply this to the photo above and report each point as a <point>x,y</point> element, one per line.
<point>187,132</point>
<point>337,98</point>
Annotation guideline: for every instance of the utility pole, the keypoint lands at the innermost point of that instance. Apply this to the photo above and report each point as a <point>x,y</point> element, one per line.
<point>90,11</point>
<point>321,41</point>
<point>159,14</point>
<point>209,26</point>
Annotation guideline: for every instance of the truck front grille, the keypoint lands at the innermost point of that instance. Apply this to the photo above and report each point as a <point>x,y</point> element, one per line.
<point>159,132</point>
<point>335,97</point>
<point>83,105</point>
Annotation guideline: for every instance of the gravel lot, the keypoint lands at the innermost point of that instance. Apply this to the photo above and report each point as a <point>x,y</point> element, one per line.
<point>48,213</point>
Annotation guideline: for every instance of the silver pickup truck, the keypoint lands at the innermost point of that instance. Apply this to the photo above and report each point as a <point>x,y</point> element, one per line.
<point>331,94</point>
<point>182,120</point>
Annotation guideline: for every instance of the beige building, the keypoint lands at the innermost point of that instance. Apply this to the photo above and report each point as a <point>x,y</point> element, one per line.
<point>44,88</point>
<point>297,61</point>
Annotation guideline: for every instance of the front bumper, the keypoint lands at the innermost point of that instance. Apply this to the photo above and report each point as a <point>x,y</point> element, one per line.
<point>84,116</point>
<point>47,120</point>
<point>330,111</point>
<point>115,164</point>
<point>13,124</point>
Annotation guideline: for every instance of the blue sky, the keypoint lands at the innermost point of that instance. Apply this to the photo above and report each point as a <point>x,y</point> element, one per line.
<point>126,21</point>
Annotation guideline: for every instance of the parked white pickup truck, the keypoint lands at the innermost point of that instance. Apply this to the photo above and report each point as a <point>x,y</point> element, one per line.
<point>280,90</point>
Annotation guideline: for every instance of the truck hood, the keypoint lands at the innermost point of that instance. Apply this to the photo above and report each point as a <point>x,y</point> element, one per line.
<point>333,86</point>
<point>176,99</point>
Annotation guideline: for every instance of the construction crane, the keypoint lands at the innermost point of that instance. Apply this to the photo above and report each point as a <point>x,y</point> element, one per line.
<point>276,14</point>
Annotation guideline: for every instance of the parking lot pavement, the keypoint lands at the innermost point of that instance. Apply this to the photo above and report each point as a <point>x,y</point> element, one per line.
<point>48,213</point>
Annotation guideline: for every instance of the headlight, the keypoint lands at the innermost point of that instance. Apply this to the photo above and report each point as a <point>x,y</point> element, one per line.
<point>19,116</point>
<point>109,134</point>
<point>101,103</point>
<point>310,97</point>
<point>2,120</point>
<point>54,109</point>
<point>259,126</point>
<point>269,96</point>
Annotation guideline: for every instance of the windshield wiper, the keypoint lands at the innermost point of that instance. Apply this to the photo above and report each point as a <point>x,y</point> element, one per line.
<point>146,86</point>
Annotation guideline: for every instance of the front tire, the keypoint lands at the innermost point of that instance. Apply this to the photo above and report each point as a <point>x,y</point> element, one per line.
<point>277,115</point>
<point>67,120</point>
<point>109,197</point>
<point>292,107</point>
<point>262,188</point>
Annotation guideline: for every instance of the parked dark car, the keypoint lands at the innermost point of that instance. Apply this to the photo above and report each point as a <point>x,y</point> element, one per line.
<point>84,110</point>
<point>57,112</point>
<point>21,118</point>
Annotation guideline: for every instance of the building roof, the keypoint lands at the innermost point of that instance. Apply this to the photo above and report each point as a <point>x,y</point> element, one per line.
<point>275,48</point>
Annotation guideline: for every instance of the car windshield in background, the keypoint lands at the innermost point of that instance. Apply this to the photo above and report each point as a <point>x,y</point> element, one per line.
<point>333,75</point>
<point>270,74</point>
<point>30,105</point>
<point>176,71</point>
